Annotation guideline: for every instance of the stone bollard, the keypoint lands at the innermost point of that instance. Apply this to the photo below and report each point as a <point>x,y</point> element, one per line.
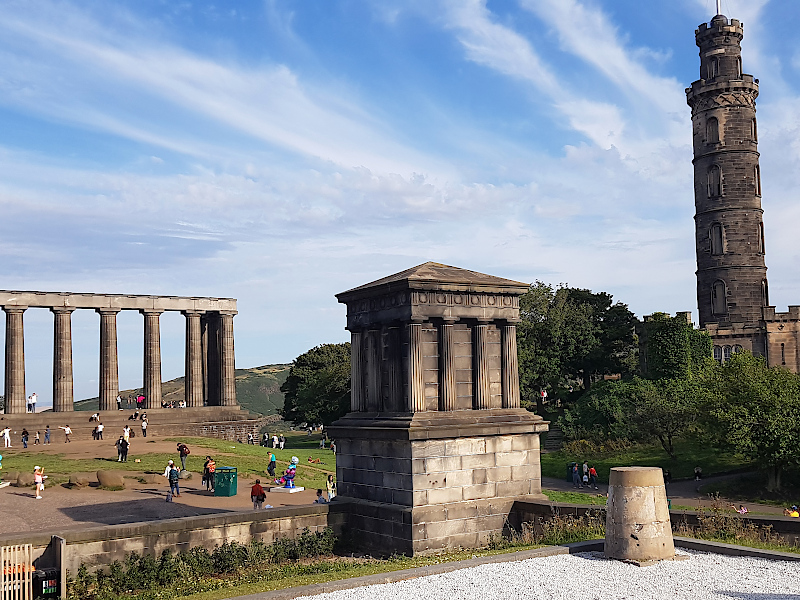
<point>638,528</point>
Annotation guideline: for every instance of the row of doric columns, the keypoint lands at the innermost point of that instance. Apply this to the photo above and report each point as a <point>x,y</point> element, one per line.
<point>368,371</point>
<point>210,364</point>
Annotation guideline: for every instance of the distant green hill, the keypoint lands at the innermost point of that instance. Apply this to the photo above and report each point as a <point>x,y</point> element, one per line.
<point>257,390</point>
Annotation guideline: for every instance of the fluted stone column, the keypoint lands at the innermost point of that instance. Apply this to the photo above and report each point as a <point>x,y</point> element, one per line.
<point>510,367</point>
<point>447,368</point>
<point>109,360</point>
<point>480,352</point>
<point>392,354</point>
<point>373,396</point>
<point>152,358</point>
<point>227,361</point>
<point>194,360</point>
<point>416,379</point>
<point>14,390</point>
<point>63,390</point>
<point>356,373</point>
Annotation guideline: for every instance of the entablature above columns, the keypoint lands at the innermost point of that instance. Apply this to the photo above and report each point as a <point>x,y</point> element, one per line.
<point>110,302</point>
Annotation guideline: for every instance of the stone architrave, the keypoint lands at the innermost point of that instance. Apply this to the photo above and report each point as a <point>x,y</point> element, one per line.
<point>446,469</point>
<point>109,360</point>
<point>63,389</point>
<point>14,391</point>
<point>152,358</point>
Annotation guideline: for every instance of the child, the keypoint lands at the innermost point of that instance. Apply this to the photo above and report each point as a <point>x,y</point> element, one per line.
<point>257,495</point>
<point>331,485</point>
<point>36,439</point>
<point>38,478</point>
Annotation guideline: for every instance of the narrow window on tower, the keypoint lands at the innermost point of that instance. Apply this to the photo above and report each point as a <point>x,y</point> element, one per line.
<point>712,68</point>
<point>764,293</point>
<point>714,181</point>
<point>783,354</point>
<point>757,176</point>
<point>719,304</point>
<point>761,238</point>
<point>754,130</point>
<point>716,239</point>
<point>739,67</point>
<point>712,131</point>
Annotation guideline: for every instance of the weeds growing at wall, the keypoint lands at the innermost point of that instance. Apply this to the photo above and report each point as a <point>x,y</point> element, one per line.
<point>144,577</point>
<point>556,530</point>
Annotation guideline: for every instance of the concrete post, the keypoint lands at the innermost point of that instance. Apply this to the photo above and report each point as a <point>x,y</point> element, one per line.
<point>194,360</point>
<point>447,368</point>
<point>356,373</point>
<point>63,389</point>
<point>227,361</point>
<point>637,516</point>
<point>416,380</point>
<point>14,390</point>
<point>152,359</point>
<point>481,366</point>
<point>109,360</point>
<point>510,367</point>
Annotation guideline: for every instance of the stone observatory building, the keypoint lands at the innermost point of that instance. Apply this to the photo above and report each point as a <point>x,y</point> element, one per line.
<point>436,448</point>
<point>732,287</point>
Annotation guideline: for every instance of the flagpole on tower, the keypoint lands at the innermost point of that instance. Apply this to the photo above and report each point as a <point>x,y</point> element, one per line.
<point>719,7</point>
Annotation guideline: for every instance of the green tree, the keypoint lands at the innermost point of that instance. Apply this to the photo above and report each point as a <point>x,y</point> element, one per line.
<point>317,389</point>
<point>754,410</point>
<point>672,348</point>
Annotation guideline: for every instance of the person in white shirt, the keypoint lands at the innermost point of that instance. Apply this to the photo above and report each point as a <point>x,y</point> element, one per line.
<point>7,437</point>
<point>34,398</point>
<point>100,428</point>
<point>144,427</point>
<point>67,432</point>
<point>126,433</point>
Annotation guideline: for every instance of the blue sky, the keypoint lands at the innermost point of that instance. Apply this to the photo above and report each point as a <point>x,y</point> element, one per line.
<point>282,151</point>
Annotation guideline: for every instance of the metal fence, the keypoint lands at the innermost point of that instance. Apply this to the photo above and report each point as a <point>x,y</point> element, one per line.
<point>16,578</point>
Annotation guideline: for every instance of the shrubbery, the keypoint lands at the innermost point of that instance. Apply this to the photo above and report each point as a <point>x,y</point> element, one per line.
<point>162,576</point>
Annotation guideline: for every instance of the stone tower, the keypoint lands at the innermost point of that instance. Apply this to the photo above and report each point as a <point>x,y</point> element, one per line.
<point>731,272</point>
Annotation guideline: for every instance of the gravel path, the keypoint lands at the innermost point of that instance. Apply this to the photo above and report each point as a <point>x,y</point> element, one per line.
<point>589,576</point>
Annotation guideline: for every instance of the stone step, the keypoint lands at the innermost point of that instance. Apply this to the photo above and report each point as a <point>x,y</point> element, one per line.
<point>555,438</point>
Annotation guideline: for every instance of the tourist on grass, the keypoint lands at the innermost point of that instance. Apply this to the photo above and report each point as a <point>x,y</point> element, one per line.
<point>183,452</point>
<point>257,495</point>
<point>274,441</point>
<point>322,443</point>
<point>281,441</point>
<point>25,436</point>
<point>123,446</point>
<point>170,464</point>
<point>271,465</point>
<point>209,468</point>
<point>333,446</point>
<point>38,479</point>
<point>126,433</point>
<point>67,433</point>
<point>47,435</point>
<point>331,485</point>
<point>320,498</point>
<point>7,437</point>
<point>250,439</point>
<point>173,476</point>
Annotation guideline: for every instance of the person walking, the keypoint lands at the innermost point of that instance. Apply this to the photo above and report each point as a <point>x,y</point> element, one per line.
<point>119,402</point>
<point>38,479</point>
<point>67,433</point>
<point>257,495</point>
<point>576,476</point>
<point>126,433</point>
<point>7,437</point>
<point>209,468</point>
<point>25,436</point>
<point>271,465</point>
<point>281,441</point>
<point>330,483</point>
<point>36,440</point>
<point>118,445</point>
<point>144,427</point>
<point>173,475</point>
<point>593,477</point>
<point>274,441</point>
<point>100,428</point>
<point>47,435</point>
<point>183,452</point>
<point>249,438</point>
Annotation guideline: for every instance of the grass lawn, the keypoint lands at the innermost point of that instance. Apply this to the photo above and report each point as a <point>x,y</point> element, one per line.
<point>690,453</point>
<point>249,460</point>
<point>575,497</point>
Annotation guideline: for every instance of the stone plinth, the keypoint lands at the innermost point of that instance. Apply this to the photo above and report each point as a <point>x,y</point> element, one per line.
<point>436,448</point>
<point>638,527</point>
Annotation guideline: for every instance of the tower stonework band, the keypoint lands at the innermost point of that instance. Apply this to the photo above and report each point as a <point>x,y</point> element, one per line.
<point>732,287</point>
<point>206,359</point>
<point>436,449</point>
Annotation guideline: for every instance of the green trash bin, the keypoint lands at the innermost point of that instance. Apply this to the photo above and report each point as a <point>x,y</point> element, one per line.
<point>225,481</point>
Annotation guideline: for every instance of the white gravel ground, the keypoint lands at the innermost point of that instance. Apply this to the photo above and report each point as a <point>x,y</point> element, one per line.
<point>589,576</point>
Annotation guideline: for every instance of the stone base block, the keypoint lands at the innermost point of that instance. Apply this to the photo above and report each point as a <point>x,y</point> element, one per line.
<point>285,490</point>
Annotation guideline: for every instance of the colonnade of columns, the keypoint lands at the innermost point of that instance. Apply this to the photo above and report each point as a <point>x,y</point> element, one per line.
<point>210,359</point>
<point>367,372</point>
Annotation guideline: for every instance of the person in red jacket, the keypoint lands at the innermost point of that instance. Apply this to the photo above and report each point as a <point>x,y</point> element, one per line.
<point>593,477</point>
<point>257,495</point>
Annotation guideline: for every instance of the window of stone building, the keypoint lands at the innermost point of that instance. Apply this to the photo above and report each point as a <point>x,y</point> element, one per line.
<point>783,354</point>
<point>737,349</point>
<point>712,131</point>
<point>764,293</point>
<point>761,237</point>
<point>726,353</point>
<point>712,68</point>
<point>717,246</point>
<point>718,354</point>
<point>714,181</point>
<point>754,130</point>
<point>739,67</point>
<point>757,176</point>
<point>719,304</point>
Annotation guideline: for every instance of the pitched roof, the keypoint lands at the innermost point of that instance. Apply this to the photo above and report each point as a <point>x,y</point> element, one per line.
<point>432,275</point>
